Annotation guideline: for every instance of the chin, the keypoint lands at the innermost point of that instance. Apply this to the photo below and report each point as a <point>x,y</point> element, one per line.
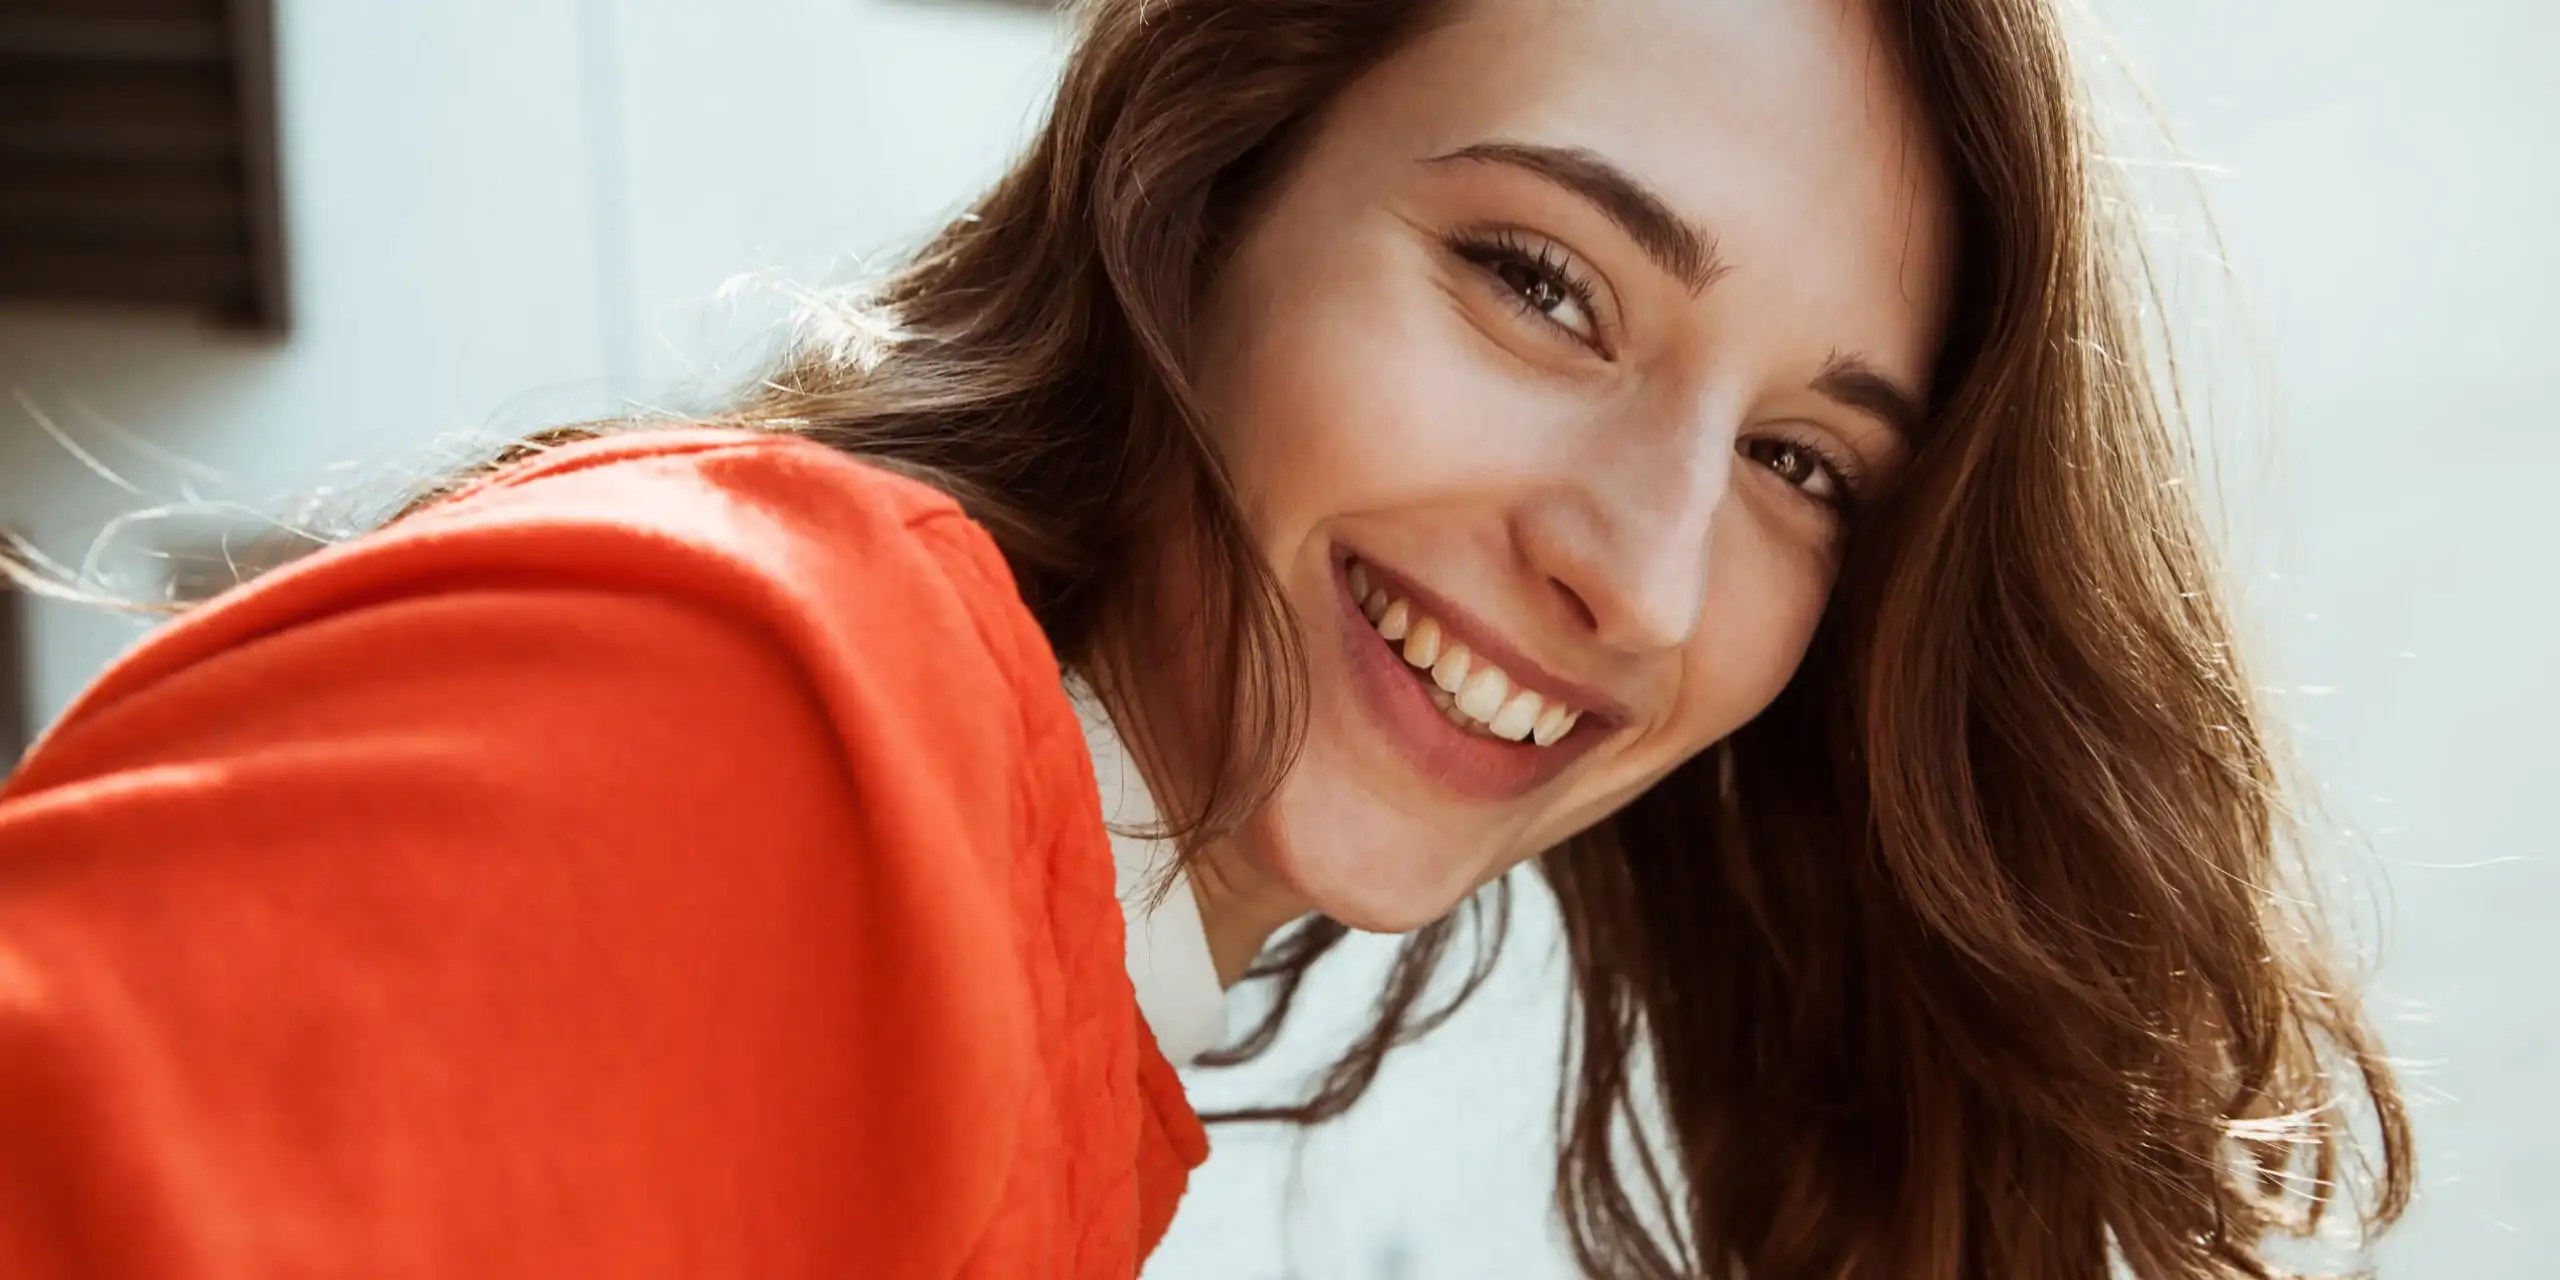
<point>1371,866</point>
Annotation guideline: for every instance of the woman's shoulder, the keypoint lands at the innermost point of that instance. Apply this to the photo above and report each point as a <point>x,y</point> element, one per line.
<point>875,586</point>
<point>767,501</point>
<point>798,535</point>
<point>769,465</point>
<point>627,777</point>
<point>851,561</point>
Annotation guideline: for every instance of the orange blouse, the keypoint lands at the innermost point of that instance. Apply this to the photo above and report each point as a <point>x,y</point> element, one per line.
<point>677,857</point>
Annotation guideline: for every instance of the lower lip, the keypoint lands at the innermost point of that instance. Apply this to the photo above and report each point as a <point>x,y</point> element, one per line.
<point>1470,764</point>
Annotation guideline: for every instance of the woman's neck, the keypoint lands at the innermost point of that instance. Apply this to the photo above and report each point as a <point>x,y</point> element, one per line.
<point>1240,908</point>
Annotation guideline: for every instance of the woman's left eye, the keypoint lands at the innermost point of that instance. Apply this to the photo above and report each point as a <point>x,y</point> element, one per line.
<point>1801,465</point>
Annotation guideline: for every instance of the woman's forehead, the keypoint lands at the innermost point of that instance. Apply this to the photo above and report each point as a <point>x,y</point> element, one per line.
<point>1783,129</point>
<point>1792,64</point>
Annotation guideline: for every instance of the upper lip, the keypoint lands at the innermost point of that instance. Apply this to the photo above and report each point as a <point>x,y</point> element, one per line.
<point>1482,639</point>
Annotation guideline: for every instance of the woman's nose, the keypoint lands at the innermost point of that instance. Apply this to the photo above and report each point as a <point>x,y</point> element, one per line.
<point>1626,539</point>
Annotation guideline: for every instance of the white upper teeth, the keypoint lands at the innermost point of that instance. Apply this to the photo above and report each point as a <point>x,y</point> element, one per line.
<point>1483,692</point>
<point>1450,672</point>
<point>1397,621</point>
<point>1473,692</point>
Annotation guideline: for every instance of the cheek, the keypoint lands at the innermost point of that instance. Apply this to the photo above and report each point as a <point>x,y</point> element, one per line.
<point>1361,390</point>
<point>1765,597</point>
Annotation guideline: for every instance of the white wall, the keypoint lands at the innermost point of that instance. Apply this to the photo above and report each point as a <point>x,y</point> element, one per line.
<point>507,211</point>
<point>504,213</point>
<point>440,219</point>
<point>2391,198</point>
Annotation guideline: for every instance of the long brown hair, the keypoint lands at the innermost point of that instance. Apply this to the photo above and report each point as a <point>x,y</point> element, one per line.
<point>1980,953</point>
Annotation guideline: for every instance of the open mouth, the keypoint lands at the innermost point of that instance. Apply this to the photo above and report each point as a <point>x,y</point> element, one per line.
<point>1475,694</point>
<point>1463,707</point>
<point>1428,668</point>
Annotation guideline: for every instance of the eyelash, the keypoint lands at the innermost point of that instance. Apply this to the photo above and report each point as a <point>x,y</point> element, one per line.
<point>1494,248</point>
<point>1844,474</point>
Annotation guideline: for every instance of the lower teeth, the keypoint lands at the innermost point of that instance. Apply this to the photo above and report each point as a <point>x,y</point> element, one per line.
<point>1449,707</point>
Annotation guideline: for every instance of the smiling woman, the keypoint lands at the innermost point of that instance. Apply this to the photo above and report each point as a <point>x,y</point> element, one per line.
<point>1630,418</point>
<point>1698,450</point>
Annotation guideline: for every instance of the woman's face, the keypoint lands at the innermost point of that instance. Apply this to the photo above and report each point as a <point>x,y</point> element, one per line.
<point>1549,376</point>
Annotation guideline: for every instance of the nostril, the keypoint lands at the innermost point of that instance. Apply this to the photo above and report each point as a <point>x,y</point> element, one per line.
<point>1577,607</point>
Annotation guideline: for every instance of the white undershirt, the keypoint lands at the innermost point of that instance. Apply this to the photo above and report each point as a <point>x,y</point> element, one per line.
<point>1169,961</point>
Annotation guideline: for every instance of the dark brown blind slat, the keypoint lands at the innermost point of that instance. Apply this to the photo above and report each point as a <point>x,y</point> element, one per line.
<point>143,142</point>
<point>111,38</point>
<point>48,91</point>
<point>127,273</point>
<point>75,206</point>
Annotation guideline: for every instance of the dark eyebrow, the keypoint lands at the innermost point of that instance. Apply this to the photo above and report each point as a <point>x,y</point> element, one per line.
<point>1850,381</point>
<point>1682,247</point>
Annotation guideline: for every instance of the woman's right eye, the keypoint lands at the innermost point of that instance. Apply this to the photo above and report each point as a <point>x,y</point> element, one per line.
<point>1543,293</point>
<point>1540,279</point>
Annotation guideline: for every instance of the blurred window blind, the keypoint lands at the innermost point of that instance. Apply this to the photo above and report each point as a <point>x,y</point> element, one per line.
<point>138,156</point>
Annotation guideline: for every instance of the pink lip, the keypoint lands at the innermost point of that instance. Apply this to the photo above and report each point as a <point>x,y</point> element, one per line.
<point>1470,764</point>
